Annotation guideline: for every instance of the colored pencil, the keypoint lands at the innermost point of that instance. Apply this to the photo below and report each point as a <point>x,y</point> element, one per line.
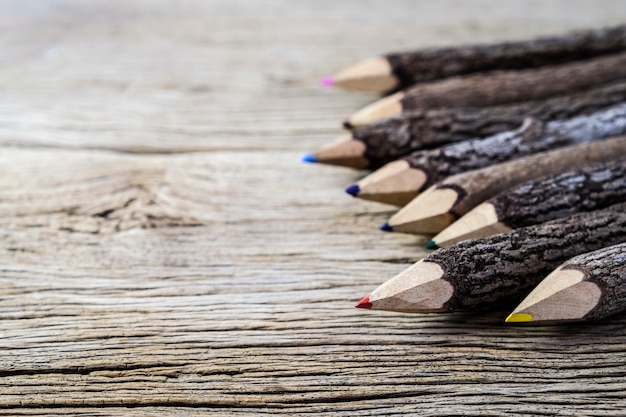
<point>399,70</point>
<point>587,287</point>
<point>497,87</point>
<point>585,189</point>
<point>440,205</point>
<point>400,181</point>
<point>482,273</point>
<point>373,145</point>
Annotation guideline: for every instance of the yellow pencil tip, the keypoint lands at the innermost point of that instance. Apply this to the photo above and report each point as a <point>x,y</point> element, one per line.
<point>519,318</point>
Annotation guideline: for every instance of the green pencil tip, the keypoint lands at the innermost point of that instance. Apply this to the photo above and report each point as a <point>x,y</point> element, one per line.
<point>432,245</point>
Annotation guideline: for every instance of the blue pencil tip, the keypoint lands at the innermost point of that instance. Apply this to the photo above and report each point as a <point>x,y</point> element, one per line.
<point>308,158</point>
<point>386,228</point>
<point>432,245</point>
<point>353,190</point>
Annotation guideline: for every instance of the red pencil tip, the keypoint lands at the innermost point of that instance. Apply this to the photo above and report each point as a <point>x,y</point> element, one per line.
<point>364,303</point>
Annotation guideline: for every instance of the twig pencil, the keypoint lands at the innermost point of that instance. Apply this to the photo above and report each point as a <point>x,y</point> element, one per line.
<point>399,70</point>
<point>476,274</point>
<point>497,87</point>
<point>443,203</point>
<point>586,189</point>
<point>400,181</point>
<point>587,287</point>
<point>375,144</point>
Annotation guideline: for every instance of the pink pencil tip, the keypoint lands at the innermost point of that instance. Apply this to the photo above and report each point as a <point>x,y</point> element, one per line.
<point>327,81</point>
<point>364,303</point>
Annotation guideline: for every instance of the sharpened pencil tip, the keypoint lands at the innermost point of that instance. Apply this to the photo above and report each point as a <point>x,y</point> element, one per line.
<point>353,190</point>
<point>327,81</point>
<point>432,245</point>
<point>386,228</point>
<point>308,158</point>
<point>519,318</point>
<point>364,303</point>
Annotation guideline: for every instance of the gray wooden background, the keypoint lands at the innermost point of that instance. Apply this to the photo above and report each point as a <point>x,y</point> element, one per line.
<point>164,252</point>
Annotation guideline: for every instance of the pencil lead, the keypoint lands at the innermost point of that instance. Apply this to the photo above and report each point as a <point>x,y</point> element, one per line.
<point>327,81</point>
<point>386,228</point>
<point>308,158</point>
<point>519,318</point>
<point>432,245</point>
<point>353,190</point>
<point>364,303</point>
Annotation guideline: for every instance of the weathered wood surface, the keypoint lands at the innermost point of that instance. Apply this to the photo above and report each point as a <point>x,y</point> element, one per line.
<point>163,252</point>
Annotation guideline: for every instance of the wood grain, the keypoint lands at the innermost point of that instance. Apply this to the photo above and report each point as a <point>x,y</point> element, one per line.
<point>163,251</point>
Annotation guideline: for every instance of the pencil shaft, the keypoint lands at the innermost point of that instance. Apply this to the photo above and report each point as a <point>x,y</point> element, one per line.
<point>532,137</point>
<point>435,63</point>
<point>500,87</point>
<point>585,189</point>
<point>477,186</point>
<point>391,138</point>
<point>493,269</point>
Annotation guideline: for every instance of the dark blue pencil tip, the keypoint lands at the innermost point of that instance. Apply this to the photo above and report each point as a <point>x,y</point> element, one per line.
<point>353,190</point>
<point>432,245</point>
<point>386,228</point>
<point>308,158</point>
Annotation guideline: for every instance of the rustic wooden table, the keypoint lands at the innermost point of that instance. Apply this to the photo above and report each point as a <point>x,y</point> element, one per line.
<point>164,252</point>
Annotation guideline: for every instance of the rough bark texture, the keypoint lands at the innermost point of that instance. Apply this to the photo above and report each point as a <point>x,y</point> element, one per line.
<point>532,137</point>
<point>435,63</point>
<point>501,268</point>
<point>163,251</point>
<point>561,195</point>
<point>500,87</point>
<point>607,269</point>
<point>475,187</point>
<point>389,139</point>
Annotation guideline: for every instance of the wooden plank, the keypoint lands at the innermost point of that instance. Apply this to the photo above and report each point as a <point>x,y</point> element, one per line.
<point>163,251</point>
